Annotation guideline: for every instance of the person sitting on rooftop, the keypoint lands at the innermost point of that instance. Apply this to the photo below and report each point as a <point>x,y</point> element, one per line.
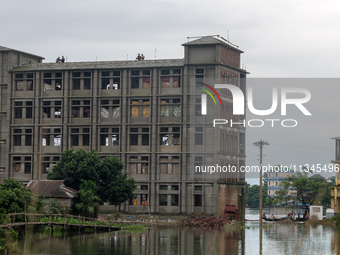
<point>138,57</point>
<point>142,56</point>
<point>58,60</point>
<point>62,59</point>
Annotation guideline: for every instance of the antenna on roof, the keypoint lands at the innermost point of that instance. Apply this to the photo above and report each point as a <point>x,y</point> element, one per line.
<point>127,56</point>
<point>155,53</point>
<point>228,34</point>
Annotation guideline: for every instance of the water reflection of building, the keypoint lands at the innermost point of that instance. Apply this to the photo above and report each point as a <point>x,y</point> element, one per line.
<point>177,241</point>
<point>281,231</point>
<point>335,242</point>
<point>144,112</point>
<point>155,241</point>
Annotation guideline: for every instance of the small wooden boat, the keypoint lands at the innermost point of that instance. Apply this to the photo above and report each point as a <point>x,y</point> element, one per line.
<point>301,219</point>
<point>276,219</point>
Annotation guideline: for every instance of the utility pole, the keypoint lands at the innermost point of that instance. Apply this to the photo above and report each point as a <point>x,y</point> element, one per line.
<point>260,145</point>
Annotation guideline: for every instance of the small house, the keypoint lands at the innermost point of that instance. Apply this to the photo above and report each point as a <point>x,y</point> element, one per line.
<point>53,189</point>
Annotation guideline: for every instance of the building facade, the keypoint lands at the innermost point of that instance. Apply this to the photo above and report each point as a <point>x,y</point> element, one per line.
<point>275,178</point>
<point>147,113</point>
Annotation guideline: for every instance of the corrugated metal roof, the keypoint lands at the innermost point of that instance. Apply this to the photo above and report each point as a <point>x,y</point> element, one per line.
<point>101,65</point>
<point>51,189</point>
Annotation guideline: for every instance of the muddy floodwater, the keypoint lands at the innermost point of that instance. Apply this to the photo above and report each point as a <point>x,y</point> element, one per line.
<point>276,239</point>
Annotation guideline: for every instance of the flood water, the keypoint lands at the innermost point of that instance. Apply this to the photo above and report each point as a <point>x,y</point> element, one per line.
<point>276,239</point>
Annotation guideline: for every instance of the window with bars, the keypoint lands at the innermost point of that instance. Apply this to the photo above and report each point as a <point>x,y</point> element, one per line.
<point>110,79</point>
<point>80,136</point>
<point>109,136</point>
<point>171,78</point>
<point>23,109</point>
<point>143,187</point>
<point>51,137</point>
<point>139,136</point>
<point>81,108</point>
<point>22,163</point>
<point>144,199</point>
<point>140,79</point>
<point>81,80</point>
<point>169,136</point>
<point>174,187</point>
<point>138,164</point>
<point>51,109</point>
<point>170,107</point>
<point>198,163</point>
<point>22,137</point>
<point>53,81</point>
<point>163,187</point>
<point>24,81</point>
<point>199,77</point>
<point>174,200</point>
<point>110,108</point>
<point>47,163</point>
<point>198,135</point>
<point>198,199</point>
<point>163,200</point>
<point>198,188</point>
<point>198,107</point>
<point>168,164</point>
<point>140,108</point>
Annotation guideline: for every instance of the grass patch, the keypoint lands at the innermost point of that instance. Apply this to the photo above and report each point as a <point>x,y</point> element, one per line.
<point>232,227</point>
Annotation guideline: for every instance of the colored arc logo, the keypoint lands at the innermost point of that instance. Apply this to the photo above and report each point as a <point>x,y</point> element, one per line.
<point>208,92</point>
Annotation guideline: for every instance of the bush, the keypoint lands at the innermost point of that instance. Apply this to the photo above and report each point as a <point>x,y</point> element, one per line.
<point>55,207</point>
<point>116,215</point>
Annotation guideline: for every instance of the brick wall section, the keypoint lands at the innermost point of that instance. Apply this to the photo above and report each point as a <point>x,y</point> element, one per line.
<point>229,57</point>
<point>228,77</point>
<point>227,194</point>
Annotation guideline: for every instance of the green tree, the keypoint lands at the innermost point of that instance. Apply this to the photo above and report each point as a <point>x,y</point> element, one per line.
<point>86,199</point>
<point>327,198</point>
<point>252,195</point>
<point>306,190</point>
<point>112,184</point>
<point>16,197</point>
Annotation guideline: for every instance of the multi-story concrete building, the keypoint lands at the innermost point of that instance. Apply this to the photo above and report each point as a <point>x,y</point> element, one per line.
<point>275,177</point>
<point>148,113</point>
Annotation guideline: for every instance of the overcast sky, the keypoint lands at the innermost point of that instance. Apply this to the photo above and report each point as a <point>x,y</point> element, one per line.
<point>281,39</point>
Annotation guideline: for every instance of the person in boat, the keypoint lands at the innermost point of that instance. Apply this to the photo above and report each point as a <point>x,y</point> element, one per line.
<point>272,217</point>
<point>299,216</point>
<point>264,216</point>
